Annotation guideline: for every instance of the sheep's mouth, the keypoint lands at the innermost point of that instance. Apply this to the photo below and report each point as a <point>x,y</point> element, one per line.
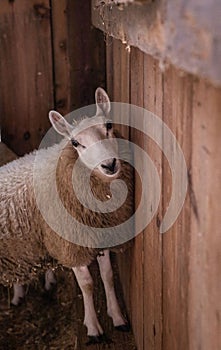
<point>109,173</point>
<point>110,168</point>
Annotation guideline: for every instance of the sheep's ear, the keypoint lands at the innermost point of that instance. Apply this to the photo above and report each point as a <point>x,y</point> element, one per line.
<point>60,124</point>
<point>102,102</point>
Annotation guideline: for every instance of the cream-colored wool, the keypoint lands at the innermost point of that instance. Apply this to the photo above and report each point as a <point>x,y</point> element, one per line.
<point>27,244</point>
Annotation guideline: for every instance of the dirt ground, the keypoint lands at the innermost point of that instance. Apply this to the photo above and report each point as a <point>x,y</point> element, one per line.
<point>55,321</point>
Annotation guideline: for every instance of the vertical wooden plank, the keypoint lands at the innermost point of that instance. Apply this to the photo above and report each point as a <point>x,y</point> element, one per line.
<point>116,70</point>
<point>176,241</point>
<point>205,249</point>
<point>137,256</point>
<point>109,67</point>
<point>125,85</point>
<point>119,80</point>
<point>6,155</point>
<point>79,55</point>
<point>61,56</point>
<point>125,74</point>
<point>86,48</point>
<point>26,89</point>
<point>153,100</point>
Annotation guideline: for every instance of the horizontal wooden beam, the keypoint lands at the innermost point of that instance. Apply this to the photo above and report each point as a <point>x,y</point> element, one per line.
<point>186,34</point>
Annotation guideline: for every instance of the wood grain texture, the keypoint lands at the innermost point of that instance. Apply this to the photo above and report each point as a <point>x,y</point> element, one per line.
<point>184,34</point>
<point>6,155</point>
<point>51,58</point>
<point>177,109</point>
<point>121,82</point>
<point>78,55</point>
<point>61,56</point>
<point>86,49</point>
<point>109,68</point>
<point>173,291</point>
<point>153,102</point>
<point>118,88</point>
<point>137,255</point>
<point>204,318</point>
<point>26,89</point>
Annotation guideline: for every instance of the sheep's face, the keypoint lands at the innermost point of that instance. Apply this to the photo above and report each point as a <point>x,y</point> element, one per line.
<point>97,146</point>
<point>93,138</point>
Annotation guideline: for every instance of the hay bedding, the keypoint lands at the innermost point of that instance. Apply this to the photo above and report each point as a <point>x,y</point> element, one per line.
<point>54,321</point>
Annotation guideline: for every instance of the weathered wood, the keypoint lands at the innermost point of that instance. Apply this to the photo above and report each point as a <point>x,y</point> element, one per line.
<point>26,89</point>
<point>86,48</point>
<point>109,68</point>
<point>61,56</point>
<point>6,155</point>
<point>177,110</point>
<point>137,255</point>
<point>51,57</point>
<point>172,293</point>
<point>78,54</point>
<point>153,102</point>
<point>186,34</point>
<point>118,88</point>
<point>204,316</point>
<point>121,79</point>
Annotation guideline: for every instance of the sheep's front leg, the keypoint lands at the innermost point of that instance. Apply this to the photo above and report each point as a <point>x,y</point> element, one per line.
<point>18,295</point>
<point>85,282</point>
<point>113,308</point>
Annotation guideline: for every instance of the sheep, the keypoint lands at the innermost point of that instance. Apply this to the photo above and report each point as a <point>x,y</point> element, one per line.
<point>29,245</point>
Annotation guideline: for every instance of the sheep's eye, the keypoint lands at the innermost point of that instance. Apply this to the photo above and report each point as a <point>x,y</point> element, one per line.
<point>75,143</point>
<point>109,125</point>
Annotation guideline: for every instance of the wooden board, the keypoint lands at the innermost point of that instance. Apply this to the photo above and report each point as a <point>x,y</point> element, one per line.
<point>26,89</point>
<point>61,56</point>
<point>137,255</point>
<point>204,314</point>
<point>171,30</point>
<point>177,114</point>
<point>86,49</point>
<point>52,58</point>
<point>6,155</point>
<point>78,55</point>
<point>171,282</point>
<point>153,102</point>
<point>118,88</point>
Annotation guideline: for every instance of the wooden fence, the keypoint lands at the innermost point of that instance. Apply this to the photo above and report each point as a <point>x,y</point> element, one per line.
<point>51,57</point>
<point>172,281</point>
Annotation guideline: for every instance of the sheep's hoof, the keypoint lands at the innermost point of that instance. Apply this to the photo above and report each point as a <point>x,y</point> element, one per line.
<point>123,328</point>
<point>98,339</point>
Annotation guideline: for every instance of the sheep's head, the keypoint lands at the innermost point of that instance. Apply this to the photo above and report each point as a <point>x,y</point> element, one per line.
<point>93,138</point>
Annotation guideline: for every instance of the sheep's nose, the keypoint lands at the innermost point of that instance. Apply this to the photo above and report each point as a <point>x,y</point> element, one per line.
<point>110,166</point>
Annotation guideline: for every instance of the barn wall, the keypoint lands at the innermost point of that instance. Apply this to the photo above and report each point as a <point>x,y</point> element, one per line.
<point>183,33</point>
<point>51,57</point>
<point>171,281</point>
